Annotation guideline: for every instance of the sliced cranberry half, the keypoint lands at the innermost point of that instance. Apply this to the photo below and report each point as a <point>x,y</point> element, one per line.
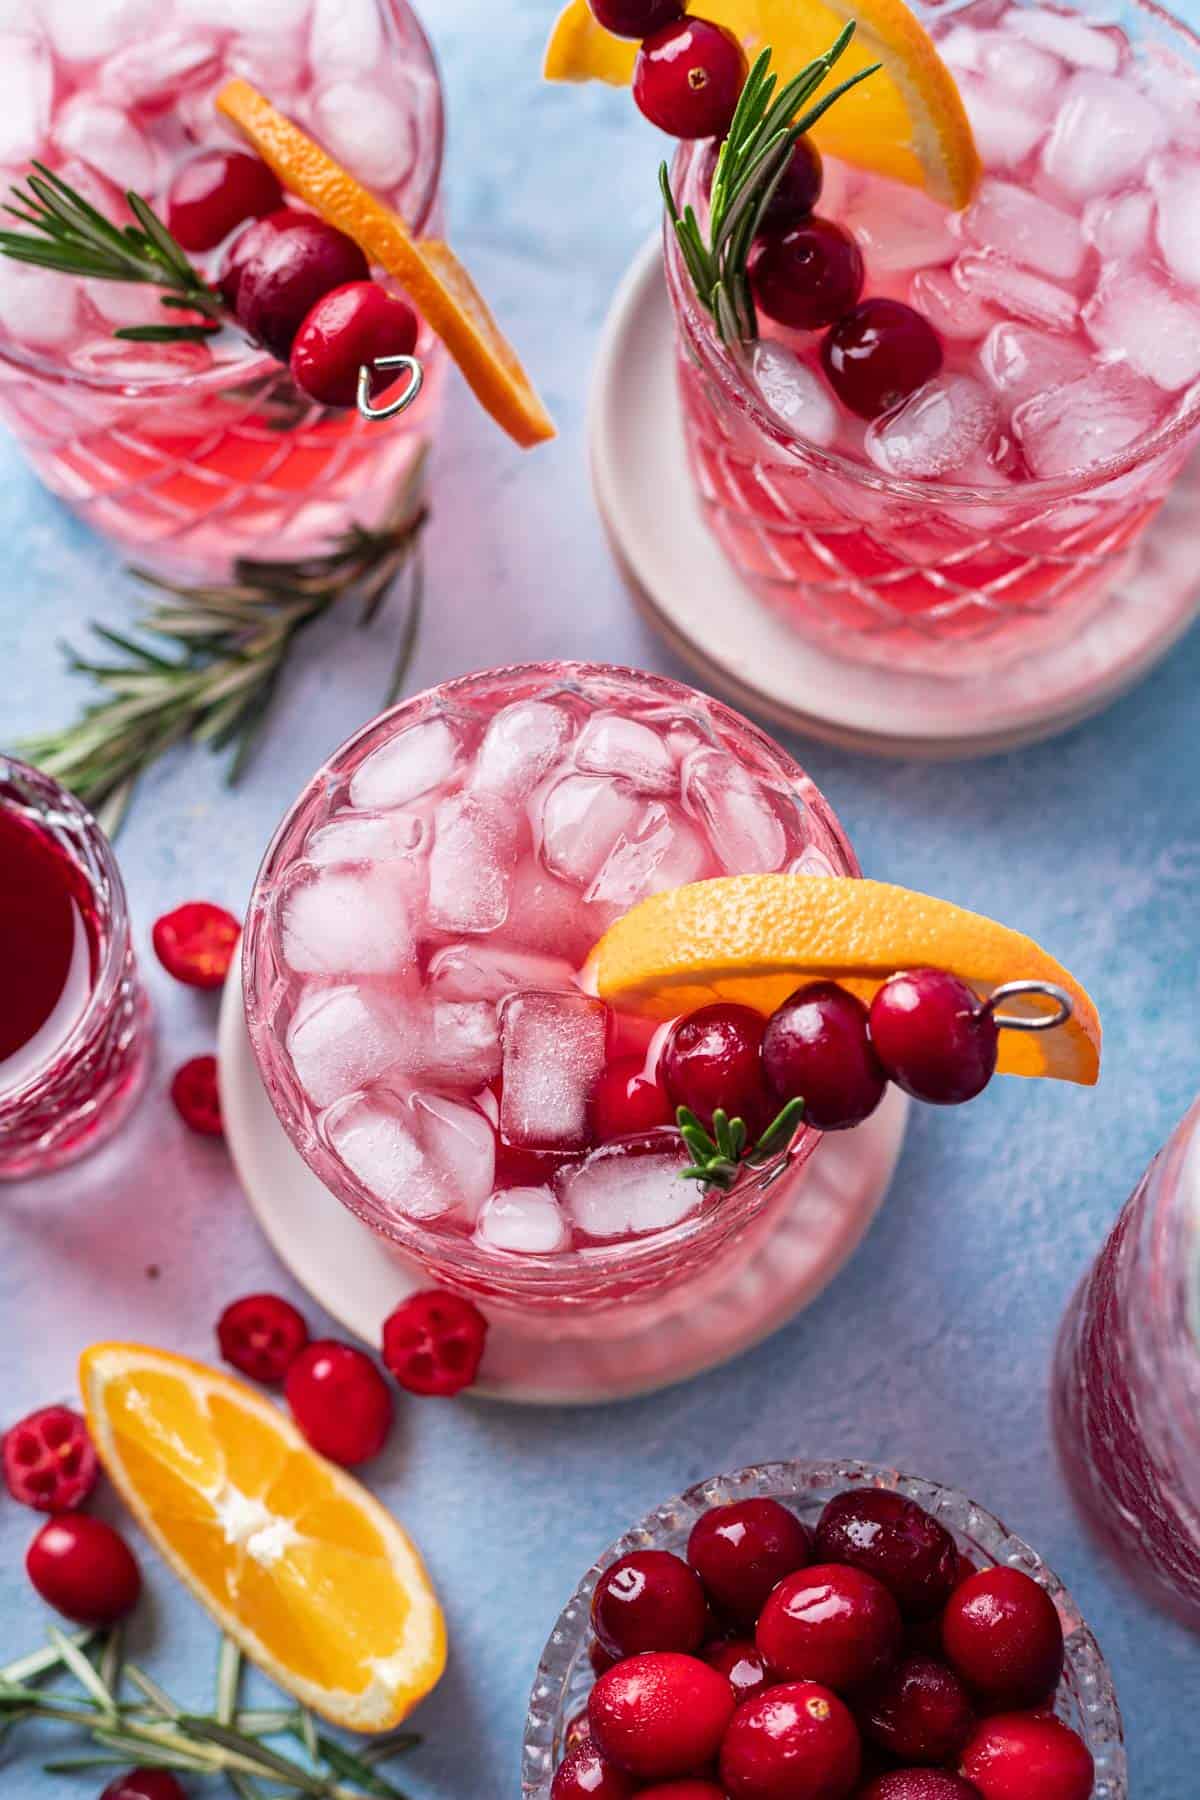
<point>196,1097</point>
<point>261,1336</point>
<point>832,1624</point>
<point>743,1550</point>
<point>897,1541</point>
<point>49,1460</point>
<point>434,1343</point>
<point>1003,1635</point>
<point>196,943</point>
<point>649,1600</point>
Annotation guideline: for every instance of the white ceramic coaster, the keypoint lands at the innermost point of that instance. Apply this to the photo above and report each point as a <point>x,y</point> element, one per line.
<point>358,1278</point>
<point>739,649</point>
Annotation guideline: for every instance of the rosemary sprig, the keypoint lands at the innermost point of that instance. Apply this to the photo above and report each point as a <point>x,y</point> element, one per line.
<point>719,1156</point>
<point>750,166</point>
<point>227,648</point>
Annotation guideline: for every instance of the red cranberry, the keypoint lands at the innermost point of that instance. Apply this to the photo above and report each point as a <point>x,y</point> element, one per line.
<point>246,245</point>
<point>340,1401</point>
<point>649,1600</point>
<point>626,1101</point>
<point>215,193</point>
<point>1002,1633</point>
<point>696,1788</point>
<point>688,78</point>
<point>919,1784</point>
<point>293,264</point>
<point>347,330</point>
<point>635,18</point>
<point>84,1570</point>
<point>742,1665</point>
<point>831,1624</point>
<point>49,1460</point>
<point>144,1784</point>
<point>817,1047</point>
<point>920,1713</point>
<point>659,1716</point>
<point>742,1551</point>
<point>578,1732</point>
<point>434,1343</point>
<point>807,275</point>
<point>934,1037</point>
<point>196,943</point>
<point>261,1336</point>
<point>1017,1755</point>
<point>599,1658</point>
<point>586,1775</point>
<point>712,1060</point>
<point>879,354</point>
<point>895,1540</point>
<point>795,1742</point>
<point>196,1096</point>
<point>799,187</point>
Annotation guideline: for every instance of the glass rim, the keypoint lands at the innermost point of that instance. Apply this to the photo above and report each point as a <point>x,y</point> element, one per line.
<point>254,362</point>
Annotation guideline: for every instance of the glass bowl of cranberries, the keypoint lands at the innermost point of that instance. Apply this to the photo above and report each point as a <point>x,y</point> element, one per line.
<point>822,1631</point>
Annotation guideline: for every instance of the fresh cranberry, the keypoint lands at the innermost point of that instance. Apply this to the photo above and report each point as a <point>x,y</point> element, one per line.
<point>795,1742</point>
<point>807,275</point>
<point>434,1342</point>
<point>920,1784</point>
<point>660,1715</point>
<point>246,245</point>
<point>196,942</point>
<point>695,1788</point>
<point>599,1658</point>
<point>836,1625</point>
<point>799,186</point>
<point>895,1540</point>
<point>712,1060</point>
<point>626,1101</point>
<point>49,1460</point>
<point>920,1713</point>
<point>743,1550</point>
<point>196,1096</point>
<point>295,260</point>
<point>261,1336</point>
<point>586,1775</point>
<point>340,1401</point>
<point>635,18</point>
<point>649,1600</point>
<point>144,1784</point>
<point>578,1732</point>
<point>934,1037</point>
<point>1017,1755</point>
<point>817,1048</point>
<point>83,1569</point>
<point>741,1663</point>
<point>688,78</point>
<point>348,330</point>
<point>1002,1633</point>
<point>879,354</point>
<point>215,193</point>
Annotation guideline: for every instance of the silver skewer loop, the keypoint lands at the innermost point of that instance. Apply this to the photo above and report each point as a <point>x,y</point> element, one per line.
<point>402,402</point>
<point>1026,1022</point>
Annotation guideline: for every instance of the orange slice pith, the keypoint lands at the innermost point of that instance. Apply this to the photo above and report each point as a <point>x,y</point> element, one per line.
<point>908,121</point>
<point>430,273</point>
<point>302,1567</point>
<point>755,938</point>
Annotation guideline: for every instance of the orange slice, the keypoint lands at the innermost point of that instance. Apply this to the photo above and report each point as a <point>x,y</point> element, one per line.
<point>754,938</point>
<point>908,121</point>
<point>429,271</point>
<point>302,1567</point>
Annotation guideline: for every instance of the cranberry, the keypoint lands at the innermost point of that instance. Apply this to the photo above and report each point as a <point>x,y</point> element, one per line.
<point>49,1460</point>
<point>660,1715</point>
<point>742,1551</point>
<point>741,1663</point>
<point>807,275</point>
<point>799,186</point>
<point>626,1101</point>
<point>347,330</point>
<point>649,1600</point>
<point>695,1788</point>
<point>434,1342</point>
<point>586,1775</point>
<point>688,78</point>
<point>1003,1635</point>
<point>635,18</point>
<point>83,1569</point>
<point>261,1336</point>
<point>196,942</point>
<point>293,263</point>
<point>246,245</point>
<point>340,1401</point>
<point>196,1096</point>
<point>1017,1755</point>
<point>215,193</point>
<point>144,1784</point>
<point>712,1060</point>
<point>919,1784</point>
<point>934,1037</point>
<point>920,1713</point>
<point>795,1742</point>
<point>879,354</point>
<point>831,1624</point>
<point>578,1732</point>
<point>599,1658</point>
<point>817,1047</point>
<point>895,1540</point>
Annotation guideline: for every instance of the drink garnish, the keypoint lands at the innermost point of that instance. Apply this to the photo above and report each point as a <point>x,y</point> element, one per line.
<point>719,1156</point>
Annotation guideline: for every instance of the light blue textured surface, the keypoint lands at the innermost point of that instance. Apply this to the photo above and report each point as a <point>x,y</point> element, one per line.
<point>931,1351</point>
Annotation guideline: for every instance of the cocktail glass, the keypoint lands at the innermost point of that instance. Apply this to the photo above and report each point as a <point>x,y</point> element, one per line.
<point>67,1089</point>
<point>191,455</point>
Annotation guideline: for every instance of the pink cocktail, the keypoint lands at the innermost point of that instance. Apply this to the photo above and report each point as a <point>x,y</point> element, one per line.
<point>192,454</point>
<point>414,969</point>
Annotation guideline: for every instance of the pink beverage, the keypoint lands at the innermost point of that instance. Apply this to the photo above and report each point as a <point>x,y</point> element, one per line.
<point>74,1026</point>
<point>1127,1381</point>
<point>185,454</point>
<point>992,513</point>
<point>414,967</point>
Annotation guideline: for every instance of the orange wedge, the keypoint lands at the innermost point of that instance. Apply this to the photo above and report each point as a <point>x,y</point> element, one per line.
<point>429,271</point>
<point>302,1567</point>
<point>907,121</point>
<point>754,938</point>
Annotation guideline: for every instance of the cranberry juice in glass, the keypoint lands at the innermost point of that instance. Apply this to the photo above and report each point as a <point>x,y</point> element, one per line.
<point>1127,1381</point>
<point>414,974</point>
<point>74,1024</point>
<point>1050,406</point>
<point>188,455</point>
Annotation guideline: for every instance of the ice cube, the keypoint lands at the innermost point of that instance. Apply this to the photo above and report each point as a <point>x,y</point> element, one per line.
<point>948,307</point>
<point>527,1221</point>
<point>1177,187</point>
<point>1017,224</point>
<point>366,837</point>
<point>937,430</point>
<point>520,745</point>
<point>342,923</point>
<point>1006,132</point>
<point>122,304</point>
<point>368,128</point>
<point>339,1039</point>
<point>107,139</point>
<point>86,30</point>
<point>26,86</point>
<point>736,810</point>
<point>1020,362</point>
<point>460,1147</point>
<point>793,393</point>
<point>611,744</point>
<point>346,39</point>
<point>618,1193</point>
<point>1104,135</point>
<point>547,915</point>
<point>665,852</point>
<point>1020,70</point>
<point>1119,225</point>
<point>1173,88</point>
<point>160,68</point>
<point>1088,422</point>
<point>490,971</point>
<point>1136,316</point>
<point>1018,291</point>
<point>962,47</point>
<point>463,1047</point>
<point>1066,35</point>
<point>419,758</point>
<point>38,307</point>
<point>899,228</point>
<point>582,818</point>
<point>553,1054</point>
<point>475,848</point>
<point>375,1139</point>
